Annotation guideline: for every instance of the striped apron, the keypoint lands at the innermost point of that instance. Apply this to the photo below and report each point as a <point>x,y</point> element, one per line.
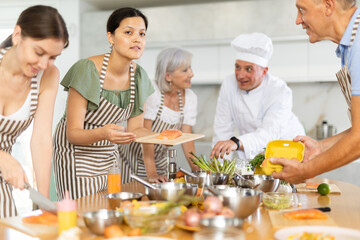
<point>133,151</point>
<point>343,76</point>
<point>9,131</point>
<point>82,169</point>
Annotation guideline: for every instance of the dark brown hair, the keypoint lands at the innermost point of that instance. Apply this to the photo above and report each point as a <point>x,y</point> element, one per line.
<point>120,14</point>
<point>40,22</point>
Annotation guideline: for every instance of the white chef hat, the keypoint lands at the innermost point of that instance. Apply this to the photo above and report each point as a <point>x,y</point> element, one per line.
<point>253,47</point>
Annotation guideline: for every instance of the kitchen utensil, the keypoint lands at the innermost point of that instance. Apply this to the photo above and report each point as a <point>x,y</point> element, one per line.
<point>221,222</point>
<point>147,216</point>
<point>325,130</point>
<point>97,221</point>
<point>279,221</point>
<point>201,178</point>
<point>39,199</point>
<point>170,190</point>
<point>115,199</point>
<point>301,188</point>
<point>230,233</point>
<point>185,137</point>
<point>219,178</point>
<point>243,201</point>
<point>267,182</point>
<point>146,183</point>
<point>248,182</point>
<point>280,200</point>
<point>187,172</point>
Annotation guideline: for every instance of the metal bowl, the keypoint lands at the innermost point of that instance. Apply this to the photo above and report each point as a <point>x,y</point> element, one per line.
<point>202,179</point>
<point>221,222</point>
<point>242,201</point>
<point>267,182</point>
<point>169,191</point>
<point>115,199</point>
<point>97,221</point>
<point>219,178</point>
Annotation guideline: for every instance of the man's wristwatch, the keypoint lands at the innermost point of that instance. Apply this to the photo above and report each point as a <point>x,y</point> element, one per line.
<point>236,140</point>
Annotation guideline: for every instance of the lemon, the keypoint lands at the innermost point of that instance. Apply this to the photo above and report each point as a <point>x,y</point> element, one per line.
<point>323,189</point>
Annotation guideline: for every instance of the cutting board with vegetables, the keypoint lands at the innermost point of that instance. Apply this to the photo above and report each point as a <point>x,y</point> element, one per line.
<point>279,221</point>
<point>185,137</point>
<point>31,229</point>
<point>301,188</point>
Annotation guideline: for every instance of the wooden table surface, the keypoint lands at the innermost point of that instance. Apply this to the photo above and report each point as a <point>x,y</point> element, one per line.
<point>345,211</point>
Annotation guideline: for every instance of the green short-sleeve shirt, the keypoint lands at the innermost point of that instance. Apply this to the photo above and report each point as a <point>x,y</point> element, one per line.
<point>84,78</point>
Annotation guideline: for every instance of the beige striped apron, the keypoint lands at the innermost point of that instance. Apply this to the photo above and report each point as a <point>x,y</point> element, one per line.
<point>9,131</point>
<point>83,169</point>
<point>133,151</point>
<point>343,76</point>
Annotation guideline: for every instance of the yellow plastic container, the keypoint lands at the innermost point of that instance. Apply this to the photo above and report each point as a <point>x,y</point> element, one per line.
<point>282,149</point>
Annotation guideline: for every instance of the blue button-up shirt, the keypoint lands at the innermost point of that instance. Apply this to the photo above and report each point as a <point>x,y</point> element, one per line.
<point>351,57</point>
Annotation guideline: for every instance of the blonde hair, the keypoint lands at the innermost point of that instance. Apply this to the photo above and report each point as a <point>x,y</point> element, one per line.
<point>168,61</point>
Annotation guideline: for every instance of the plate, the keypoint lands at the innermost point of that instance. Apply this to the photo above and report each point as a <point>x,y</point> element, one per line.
<point>141,238</point>
<point>180,224</point>
<point>337,232</point>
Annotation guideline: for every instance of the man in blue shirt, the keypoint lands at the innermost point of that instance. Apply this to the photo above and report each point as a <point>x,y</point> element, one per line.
<point>335,20</point>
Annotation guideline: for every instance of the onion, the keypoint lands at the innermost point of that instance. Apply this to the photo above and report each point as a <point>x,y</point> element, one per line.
<point>207,215</point>
<point>191,218</point>
<point>227,212</point>
<point>212,204</point>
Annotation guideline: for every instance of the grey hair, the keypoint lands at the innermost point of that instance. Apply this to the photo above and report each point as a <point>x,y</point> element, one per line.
<point>168,61</point>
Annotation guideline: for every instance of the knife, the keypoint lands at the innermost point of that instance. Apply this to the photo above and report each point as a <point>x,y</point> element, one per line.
<point>41,200</point>
<point>324,209</point>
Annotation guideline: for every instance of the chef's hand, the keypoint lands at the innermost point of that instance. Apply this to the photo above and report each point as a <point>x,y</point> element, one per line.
<point>223,147</point>
<point>157,178</point>
<point>116,134</point>
<point>312,147</point>
<point>11,171</point>
<point>293,171</point>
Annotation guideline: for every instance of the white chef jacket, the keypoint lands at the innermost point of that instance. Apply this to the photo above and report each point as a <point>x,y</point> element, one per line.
<point>260,115</point>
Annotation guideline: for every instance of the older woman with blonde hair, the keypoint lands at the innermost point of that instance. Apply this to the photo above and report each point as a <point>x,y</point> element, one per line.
<point>172,106</point>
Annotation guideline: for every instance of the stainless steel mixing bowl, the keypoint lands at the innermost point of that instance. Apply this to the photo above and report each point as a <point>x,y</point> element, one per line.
<point>219,178</point>
<point>201,180</point>
<point>97,221</point>
<point>115,199</point>
<point>267,182</point>
<point>242,201</point>
<point>169,191</point>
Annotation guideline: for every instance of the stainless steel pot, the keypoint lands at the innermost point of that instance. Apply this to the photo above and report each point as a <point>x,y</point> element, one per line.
<point>325,130</point>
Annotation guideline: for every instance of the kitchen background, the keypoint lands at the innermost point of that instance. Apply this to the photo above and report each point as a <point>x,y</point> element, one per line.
<point>206,27</point>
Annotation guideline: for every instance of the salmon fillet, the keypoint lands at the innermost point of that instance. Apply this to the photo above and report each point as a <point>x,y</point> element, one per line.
<point>169,134</point>
<point>44,218</point>
<point>311,185</point>
<point>305,214</point>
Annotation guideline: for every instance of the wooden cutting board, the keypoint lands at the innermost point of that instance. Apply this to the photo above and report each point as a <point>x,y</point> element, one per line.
<point>302,189</point>
<point>32,229</point>
<point>279,221</point>
<point>185,137</point>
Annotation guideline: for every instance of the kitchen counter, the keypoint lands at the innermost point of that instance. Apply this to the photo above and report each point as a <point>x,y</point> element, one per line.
<point>345,211</point>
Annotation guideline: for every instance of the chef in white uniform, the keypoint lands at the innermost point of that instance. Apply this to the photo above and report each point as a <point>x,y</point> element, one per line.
<point>257,104</point>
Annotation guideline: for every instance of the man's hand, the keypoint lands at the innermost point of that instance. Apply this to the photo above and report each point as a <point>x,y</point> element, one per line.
<point>157,178</point>
<point>223,147</point>
<point>312,147</point>
<point>293,171</point>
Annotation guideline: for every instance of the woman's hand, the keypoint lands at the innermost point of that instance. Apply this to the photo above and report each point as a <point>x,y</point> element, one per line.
<point>312,147</point>
<point>116,134</point>
<point>11,171</point>
<point>155,178</point>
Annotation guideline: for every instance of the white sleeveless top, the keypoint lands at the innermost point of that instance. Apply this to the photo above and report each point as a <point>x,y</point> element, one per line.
<point>24,112</point>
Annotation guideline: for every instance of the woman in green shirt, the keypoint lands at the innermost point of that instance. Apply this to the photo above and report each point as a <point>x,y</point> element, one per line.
<point>103,90</point>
